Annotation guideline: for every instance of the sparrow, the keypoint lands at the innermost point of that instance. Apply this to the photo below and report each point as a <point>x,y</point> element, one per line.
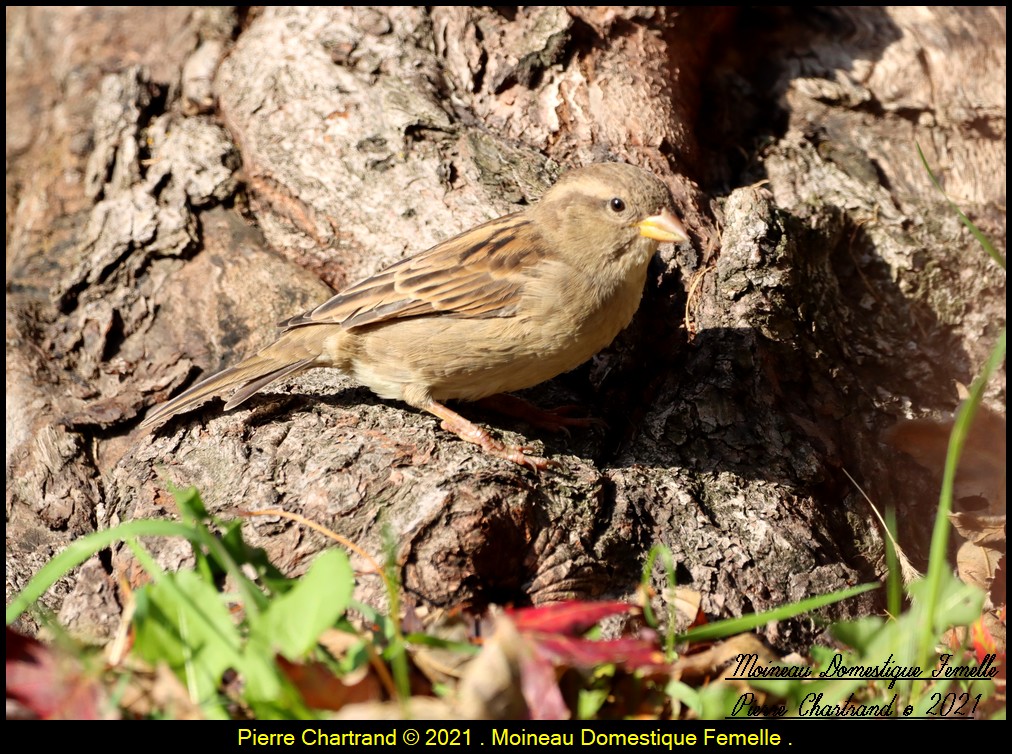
<point>501,307</point>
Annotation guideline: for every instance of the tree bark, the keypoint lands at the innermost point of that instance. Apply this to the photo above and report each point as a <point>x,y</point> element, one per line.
<point>179,180</point>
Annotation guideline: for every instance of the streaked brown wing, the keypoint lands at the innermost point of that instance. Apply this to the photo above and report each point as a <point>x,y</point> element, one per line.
<point>474,274</point>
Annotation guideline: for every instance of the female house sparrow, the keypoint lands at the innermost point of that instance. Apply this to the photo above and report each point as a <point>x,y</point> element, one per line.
<point>501,307</point>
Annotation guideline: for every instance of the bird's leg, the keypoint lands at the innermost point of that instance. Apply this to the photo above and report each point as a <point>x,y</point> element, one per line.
<point>552,420</point>
<point>472,433</point>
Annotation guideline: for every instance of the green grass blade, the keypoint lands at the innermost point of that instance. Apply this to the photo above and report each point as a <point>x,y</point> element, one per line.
<point>894,577</point>
<point>435,642</point>
<point>981,238</point>
<point>81,549</point>
<point>940,535</point>
<point>662,553</point>
<point>734,626</point>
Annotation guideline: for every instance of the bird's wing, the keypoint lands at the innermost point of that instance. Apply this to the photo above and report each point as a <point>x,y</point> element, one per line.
<point>480,273</point>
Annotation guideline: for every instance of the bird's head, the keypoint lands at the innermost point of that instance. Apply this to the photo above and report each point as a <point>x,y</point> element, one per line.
<point>607,214</point>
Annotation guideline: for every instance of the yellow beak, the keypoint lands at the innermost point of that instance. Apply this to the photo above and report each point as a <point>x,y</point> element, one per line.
<point>663,227</point>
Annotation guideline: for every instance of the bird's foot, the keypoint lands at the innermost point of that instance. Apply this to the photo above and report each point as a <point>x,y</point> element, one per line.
<point>472,433</point>
<point>557,420</point>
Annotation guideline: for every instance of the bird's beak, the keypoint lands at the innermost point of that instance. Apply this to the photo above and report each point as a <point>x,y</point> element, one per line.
<point>663,227</point>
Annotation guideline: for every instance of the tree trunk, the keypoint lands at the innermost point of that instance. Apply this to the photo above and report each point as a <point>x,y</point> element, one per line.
<point>179,180</point>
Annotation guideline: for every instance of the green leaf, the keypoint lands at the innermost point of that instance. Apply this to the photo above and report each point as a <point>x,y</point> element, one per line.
<point>241,552</point>
<point>713,701</point>
<point>589,702</point>
<point>682,692</point>
<point>293,622</point>
<point>181,620</point>
<point>958,604</point>
<point>191,506</point>
<point>859,633</point>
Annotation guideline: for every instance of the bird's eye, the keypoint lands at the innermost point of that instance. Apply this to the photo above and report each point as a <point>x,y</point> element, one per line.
<point>617,204</point>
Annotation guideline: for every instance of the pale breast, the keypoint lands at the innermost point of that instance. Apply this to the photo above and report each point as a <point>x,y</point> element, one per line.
<point>468,359</point>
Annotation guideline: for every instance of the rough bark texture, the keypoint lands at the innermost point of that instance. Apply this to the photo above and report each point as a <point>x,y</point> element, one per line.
<point>178,180</point>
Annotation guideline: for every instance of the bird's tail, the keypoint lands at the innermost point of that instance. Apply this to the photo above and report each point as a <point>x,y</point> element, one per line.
<point>286,356</point>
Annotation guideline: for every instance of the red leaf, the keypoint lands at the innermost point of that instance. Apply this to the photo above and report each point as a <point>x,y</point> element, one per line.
<point>540,688</point>
<point>631,653</point>
<point>48,682</point>
<point>570,618</point>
